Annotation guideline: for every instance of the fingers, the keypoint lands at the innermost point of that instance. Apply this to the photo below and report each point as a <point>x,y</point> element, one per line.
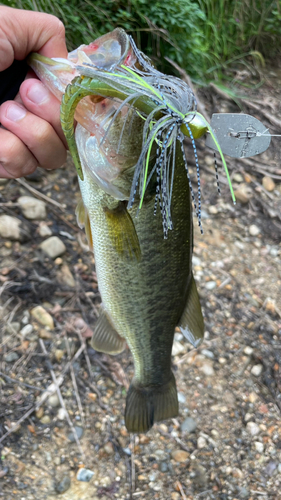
<point>15,159</point>
<point>23,31</point>
<point>40,101</point>
<point>30,140</point>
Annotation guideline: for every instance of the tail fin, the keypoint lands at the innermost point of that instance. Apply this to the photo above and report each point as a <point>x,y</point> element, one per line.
<point>148,404</point>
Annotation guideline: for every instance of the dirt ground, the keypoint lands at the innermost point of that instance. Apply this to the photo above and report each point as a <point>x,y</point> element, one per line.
<point>226,442</point>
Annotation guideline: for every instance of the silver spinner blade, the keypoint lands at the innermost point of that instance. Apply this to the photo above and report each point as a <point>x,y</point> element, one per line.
<point>238,135</point>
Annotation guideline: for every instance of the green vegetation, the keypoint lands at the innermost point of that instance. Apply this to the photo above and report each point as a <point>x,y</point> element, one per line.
<point>203,36</point>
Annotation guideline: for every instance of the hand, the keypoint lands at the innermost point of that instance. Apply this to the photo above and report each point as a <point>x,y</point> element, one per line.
<point>31,133</point>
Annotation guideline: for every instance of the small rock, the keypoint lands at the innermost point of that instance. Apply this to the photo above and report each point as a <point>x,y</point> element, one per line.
<point>238,177</point>
<point>26,330</point>
<point>253,397</point>
<point>210,285</point>
<point>207,353</point>
<point>84,475</point>
<point>109,448</point>
<point>274,251</point>
<point>177,348</point>
<point>181,397</point>
<point>5,470</point>
<point>3,181</point>
<point>253,428</point>
<point>153,476</point>
<point>243,492</point>
<point>57,461</point>
<point>207,369</point>
<point>45,419</point>
<point>196,261</point>
<point>63,485</point>
<point>201,442</point>
<point>215,433</point>
<point>53,247</point>
<point>270,468</point>
<point>160,455</point>
<point>59,353</point>
<point>61,414</point>
<point>32,208</point>
<point>212,210</point>
<point>180,456</point>
<point>79,432</point>
<point>188,425</point>
<point>175,495</point>
<point>44,230</point>
<point>209,160</point>
<point>244,193</point>
<point>10,357</point>
<point>248,417</point>
<point>248,350</point>
<point>164,467</point>
<point>66,277</point>
<point>10,227</point>
<point>237,473</point>
<point>26,317</point>
<point>259,446</point>
<point>39,413</point>
<point>254,230</point>
<point>53,400</point>
<point>268,183</point>
<point>256,370</point>
<point>42,316</point>
<point>45,334</point>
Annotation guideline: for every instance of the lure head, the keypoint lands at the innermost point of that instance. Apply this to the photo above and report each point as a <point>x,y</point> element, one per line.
<point>194,121</point>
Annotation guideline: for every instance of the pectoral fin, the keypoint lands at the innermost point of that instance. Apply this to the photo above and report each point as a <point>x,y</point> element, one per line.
<point>191,323</point>
<point>83,220</point>
<point>122,232</point>
<point>105,338</point>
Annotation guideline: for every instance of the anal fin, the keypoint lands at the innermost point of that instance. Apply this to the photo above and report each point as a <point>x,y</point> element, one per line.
<point>105,338</point>
<point>191,323</point>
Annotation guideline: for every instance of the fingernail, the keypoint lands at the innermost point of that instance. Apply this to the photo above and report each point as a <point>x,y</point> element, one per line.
<point>38,93</point>
<point>15,112</point>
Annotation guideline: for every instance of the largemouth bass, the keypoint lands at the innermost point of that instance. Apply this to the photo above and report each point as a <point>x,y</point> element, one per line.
<point>145,280</point>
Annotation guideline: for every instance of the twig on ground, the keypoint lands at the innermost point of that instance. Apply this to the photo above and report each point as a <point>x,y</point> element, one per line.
<point>16,381</point>
<point>63,404</point>
<point>133,468</point>
<point>46,394</point>
<point>275,121</point>
<point>74,383</point>
<point>181,490</point>
<point>40,195</point>
<point>260,167</point>
<point>49,391</point>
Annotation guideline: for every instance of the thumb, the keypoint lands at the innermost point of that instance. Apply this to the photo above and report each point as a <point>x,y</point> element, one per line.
<point>23,31</point>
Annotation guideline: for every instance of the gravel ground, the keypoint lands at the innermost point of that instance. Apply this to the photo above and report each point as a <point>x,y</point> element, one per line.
<point>226,442</point>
